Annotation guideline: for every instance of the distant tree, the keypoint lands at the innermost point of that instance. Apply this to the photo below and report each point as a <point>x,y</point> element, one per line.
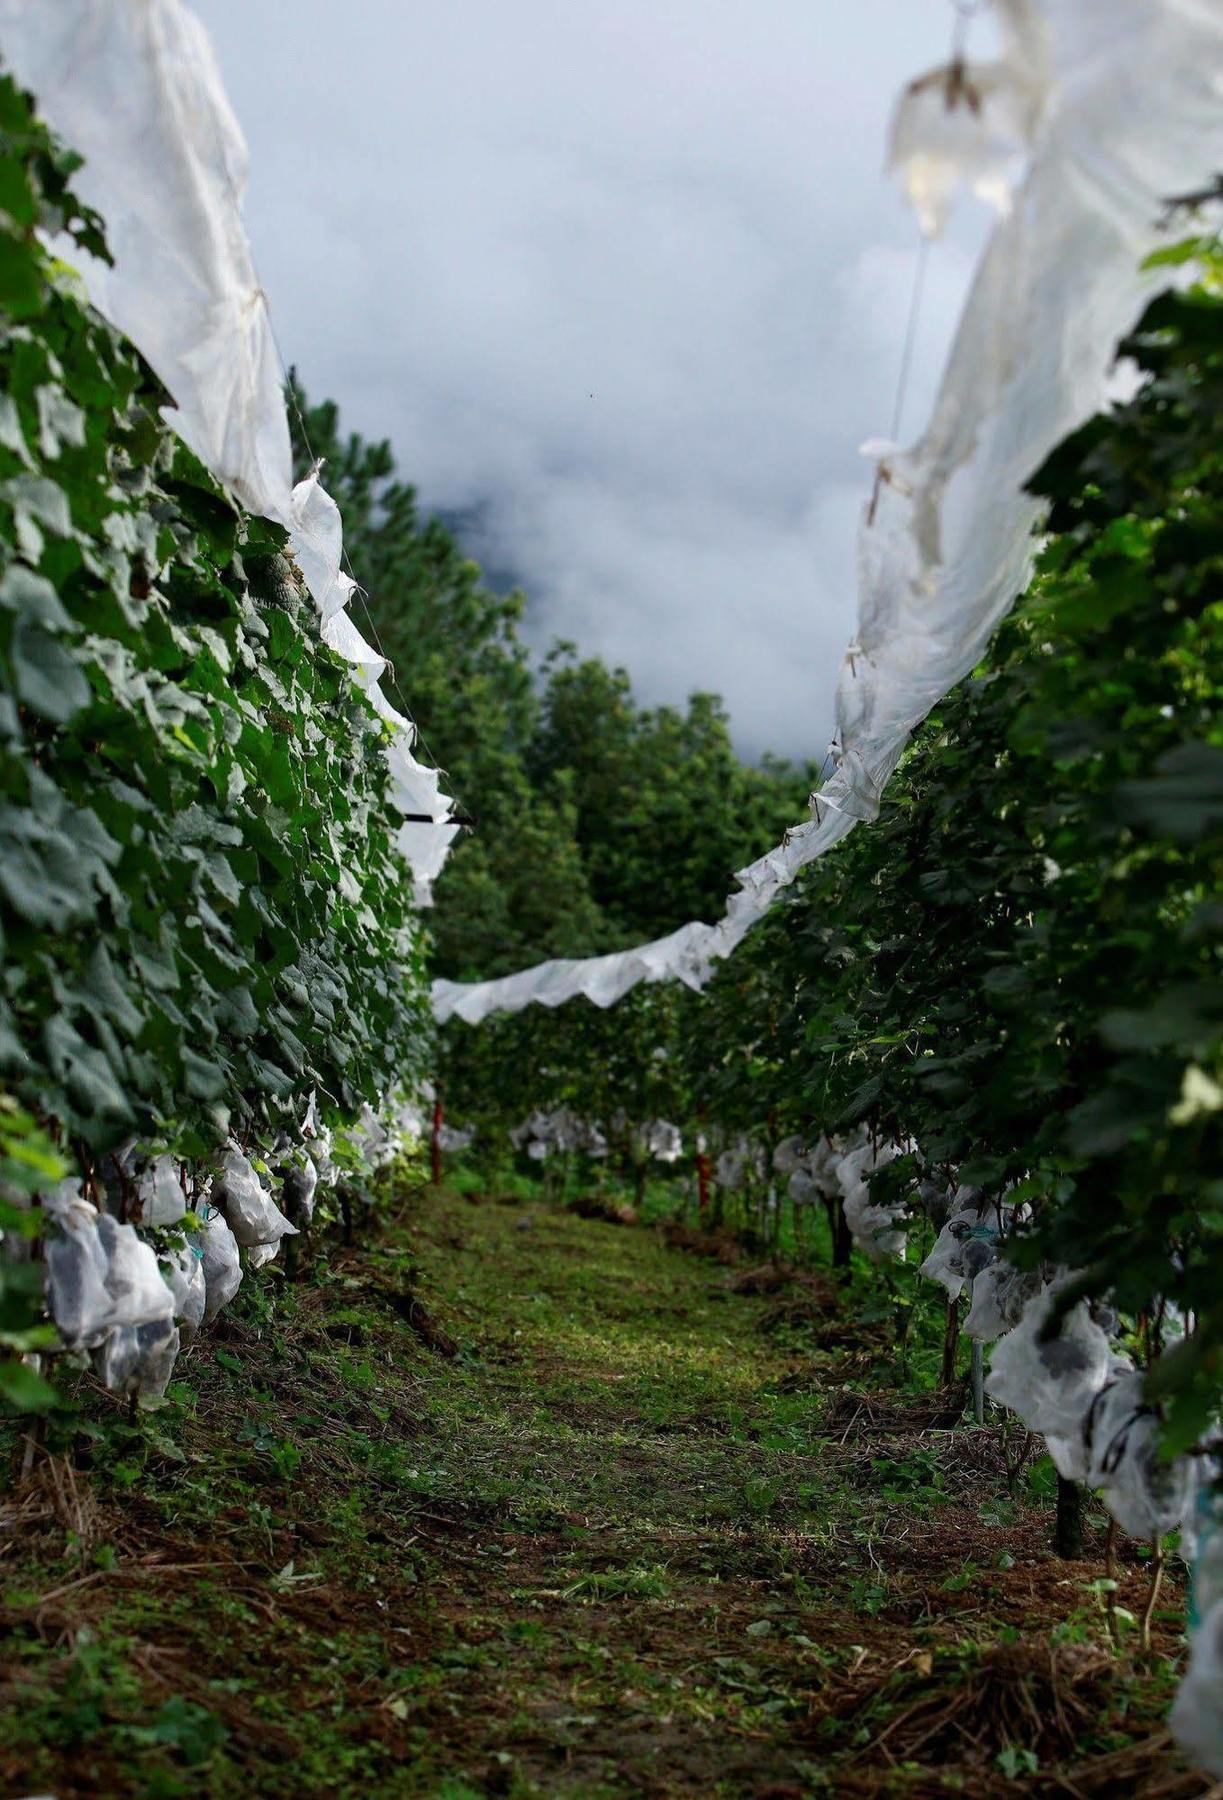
<point>599,822</point>
<point>665,810</point>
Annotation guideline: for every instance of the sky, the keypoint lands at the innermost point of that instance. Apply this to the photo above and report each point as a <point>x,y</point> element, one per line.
<point>624,284</point>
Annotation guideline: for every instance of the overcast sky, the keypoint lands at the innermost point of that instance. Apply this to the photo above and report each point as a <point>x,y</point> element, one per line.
<point>625,277</point>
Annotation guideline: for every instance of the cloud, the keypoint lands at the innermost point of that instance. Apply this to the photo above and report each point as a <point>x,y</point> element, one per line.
<point>626,281</point>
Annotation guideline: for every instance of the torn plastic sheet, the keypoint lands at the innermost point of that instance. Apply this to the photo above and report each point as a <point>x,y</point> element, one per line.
<point>971,124</point>
<point>134,87</point>
<point>1127,109</point>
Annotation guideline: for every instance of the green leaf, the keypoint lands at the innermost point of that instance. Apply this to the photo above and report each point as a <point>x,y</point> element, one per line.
<point>23,1390</point>
<point>48,679</point>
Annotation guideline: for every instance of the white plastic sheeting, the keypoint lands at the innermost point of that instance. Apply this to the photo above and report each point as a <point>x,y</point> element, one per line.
<point>972,123</point>
<point>134,87</point>
<point>1110,107</point>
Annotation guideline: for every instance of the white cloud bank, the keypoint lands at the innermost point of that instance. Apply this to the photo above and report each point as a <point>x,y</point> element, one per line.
<point>627,278</point>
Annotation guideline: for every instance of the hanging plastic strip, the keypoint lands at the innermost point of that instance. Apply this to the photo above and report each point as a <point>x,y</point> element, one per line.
<point>1096,112</point>
<point>133,86</point>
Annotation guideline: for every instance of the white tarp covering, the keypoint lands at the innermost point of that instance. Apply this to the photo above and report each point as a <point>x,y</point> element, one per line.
<point>134,87</point>
<point>1103,109</point>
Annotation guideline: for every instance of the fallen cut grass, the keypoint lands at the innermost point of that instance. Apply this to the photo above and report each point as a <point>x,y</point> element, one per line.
<point>606,1525</point>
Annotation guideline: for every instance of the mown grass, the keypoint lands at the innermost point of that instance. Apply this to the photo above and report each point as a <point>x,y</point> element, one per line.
<point>636,1535</point>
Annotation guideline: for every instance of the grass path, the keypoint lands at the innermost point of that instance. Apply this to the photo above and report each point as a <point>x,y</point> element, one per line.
<point>629,1539</point>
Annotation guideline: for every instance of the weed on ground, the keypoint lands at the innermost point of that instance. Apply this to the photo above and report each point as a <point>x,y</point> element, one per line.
<point>514,1501</point>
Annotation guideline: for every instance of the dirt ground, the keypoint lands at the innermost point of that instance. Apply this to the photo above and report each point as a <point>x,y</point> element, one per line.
<point>517,1502</point>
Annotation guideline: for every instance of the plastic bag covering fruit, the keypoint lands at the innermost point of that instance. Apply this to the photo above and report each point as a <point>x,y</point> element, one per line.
<point>877,1229</point>
<point>946,1261</point>
<point>160,1193</point>
<point>319,1151</point>
<point>803,1188</point>
<point>1000,1293</point>
<point>222,1267</point>
<point>372,1139</point>
<point>100,1275</point>
<point>664,1141</point>
<point>134,1282</point>
<point>138,1359</point>
<point>1197,1716</point>
<point>77,1296</point>
<point>253,1215</point>
<point>1050,1385</point>
<point>1202,1536</point>
<point>814,1177</point>
<point>788,1155</point>
<point>1145,1494</point>
<point>184,1270</point>
<point>299,1189</point>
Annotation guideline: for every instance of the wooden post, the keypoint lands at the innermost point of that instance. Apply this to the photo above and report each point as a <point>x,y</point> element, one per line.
<point>702,1182</point>
<point>978,1383</point>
